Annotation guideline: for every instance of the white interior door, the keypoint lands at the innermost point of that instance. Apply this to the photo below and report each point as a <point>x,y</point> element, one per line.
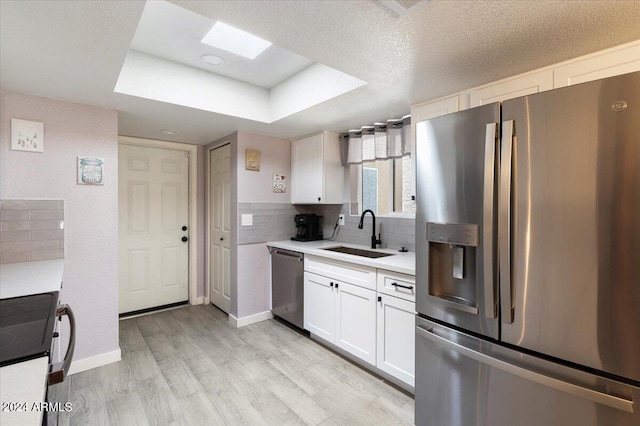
<point>153,204</point>
<point>220,227</point>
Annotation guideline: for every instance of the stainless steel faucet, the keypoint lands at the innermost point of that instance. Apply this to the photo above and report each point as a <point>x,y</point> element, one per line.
<point>374,241</point>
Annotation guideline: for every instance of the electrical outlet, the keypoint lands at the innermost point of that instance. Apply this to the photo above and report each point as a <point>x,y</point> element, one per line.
<point>341,220</point>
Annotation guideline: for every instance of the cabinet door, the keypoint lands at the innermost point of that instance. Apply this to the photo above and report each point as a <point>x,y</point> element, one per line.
<point>396,338</point>
<point>512,88</point>
<point>603,65</point>
<point>307,170</point>
<point>356,321</point>
<point>319,306</point>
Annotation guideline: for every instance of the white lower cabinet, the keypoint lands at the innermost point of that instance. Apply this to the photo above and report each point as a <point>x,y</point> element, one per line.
<point>396,338</point>
<point>356,321</point>
<point>342,314</point>
<point>365,312</point>
<point>319,306</point>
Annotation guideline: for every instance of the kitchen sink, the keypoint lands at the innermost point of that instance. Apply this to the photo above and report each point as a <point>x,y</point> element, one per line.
<point>358,252</point>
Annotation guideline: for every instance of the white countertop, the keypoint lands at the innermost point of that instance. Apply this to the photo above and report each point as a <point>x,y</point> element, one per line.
<point>25,278</point>
<point>23,383</point>
<point>404,263</point>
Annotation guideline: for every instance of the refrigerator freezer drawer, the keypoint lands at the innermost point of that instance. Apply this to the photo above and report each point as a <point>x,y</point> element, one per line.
<point>465,381</point>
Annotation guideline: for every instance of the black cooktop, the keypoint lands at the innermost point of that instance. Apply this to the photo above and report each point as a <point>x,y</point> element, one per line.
<point>26,326</point>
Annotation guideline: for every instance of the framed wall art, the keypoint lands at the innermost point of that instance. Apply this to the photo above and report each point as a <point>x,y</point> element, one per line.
<point>252,161</point>
<point>90,170</point>
<point>27,135</point>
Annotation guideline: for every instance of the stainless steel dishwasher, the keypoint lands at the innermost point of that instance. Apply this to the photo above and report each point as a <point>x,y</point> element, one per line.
<point>287,285</point>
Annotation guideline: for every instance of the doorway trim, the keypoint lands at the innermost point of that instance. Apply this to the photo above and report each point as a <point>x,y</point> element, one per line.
<point>225,141</point>
<point>193,205</point>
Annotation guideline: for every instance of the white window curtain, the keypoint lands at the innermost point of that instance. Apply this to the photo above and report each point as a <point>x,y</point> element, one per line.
<point>378,142</point>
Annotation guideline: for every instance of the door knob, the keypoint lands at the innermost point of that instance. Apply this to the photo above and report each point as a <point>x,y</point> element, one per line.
<point>185,239</point>
<point>221,238</point>
<point>184,228</point>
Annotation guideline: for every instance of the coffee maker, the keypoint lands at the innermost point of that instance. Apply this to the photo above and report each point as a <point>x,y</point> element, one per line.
<point>308,227</point>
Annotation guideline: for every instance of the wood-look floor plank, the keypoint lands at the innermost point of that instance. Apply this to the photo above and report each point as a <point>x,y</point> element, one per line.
<point>117,379</point>
<point>160,347</point>
<point>148,325</point>
<point>275,412</point>
<point>199,364</point>
<point>127,410</point>
<point>213,348</point>
<point>142,364</point>
<point>266,346</point>
<point>346,402</point>
<point>388,413</point>
<point>130,336</point>
<point>214,379</point>
<point>245,354</point>
<point>158,400</point>
<point>197,410</point>
<point>86,378</point>
<point>242,380</point>
<point>89,407</point>
<point>297,400</point>
<point>235,408</point>
<point>185,345</point>
<point>179,378</point>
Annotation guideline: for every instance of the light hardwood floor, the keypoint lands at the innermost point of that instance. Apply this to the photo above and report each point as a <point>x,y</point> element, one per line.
<point>188,366</point>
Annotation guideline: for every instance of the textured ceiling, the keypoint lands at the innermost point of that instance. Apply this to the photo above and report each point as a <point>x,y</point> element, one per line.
<point>73,51</point>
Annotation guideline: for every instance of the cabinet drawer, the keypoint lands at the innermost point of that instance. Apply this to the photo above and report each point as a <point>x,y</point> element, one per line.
<point>397,285</point>
<point>363,276</point>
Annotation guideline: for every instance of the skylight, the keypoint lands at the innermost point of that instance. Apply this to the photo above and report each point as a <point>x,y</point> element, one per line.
<point>231,39</point>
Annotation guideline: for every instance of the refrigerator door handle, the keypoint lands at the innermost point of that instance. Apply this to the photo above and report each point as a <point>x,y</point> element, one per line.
<point>579,391</point>
<point>504,222</point>
<point>487,214</point>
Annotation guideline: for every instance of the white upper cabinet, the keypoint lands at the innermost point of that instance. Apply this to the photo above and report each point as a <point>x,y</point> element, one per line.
<point>317,175</point>
<point>512,88</point>
<point>605,64</point>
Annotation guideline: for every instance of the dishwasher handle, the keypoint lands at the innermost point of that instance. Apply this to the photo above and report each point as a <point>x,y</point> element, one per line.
<point>286,253</point>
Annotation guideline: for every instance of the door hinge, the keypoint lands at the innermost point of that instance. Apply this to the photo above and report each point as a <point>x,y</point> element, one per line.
<point>187,154</point>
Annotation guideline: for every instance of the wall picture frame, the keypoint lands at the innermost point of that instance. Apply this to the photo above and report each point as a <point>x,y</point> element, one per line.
<point>279,183</point>
<point>90,170</point>
<point>27,135</point>
<point>252,160</point>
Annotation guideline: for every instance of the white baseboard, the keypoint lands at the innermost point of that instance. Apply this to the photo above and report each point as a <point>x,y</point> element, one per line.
<point>85,364</point>
<point>200,300</point>
<point>207,300</point>
<point>251,319</point>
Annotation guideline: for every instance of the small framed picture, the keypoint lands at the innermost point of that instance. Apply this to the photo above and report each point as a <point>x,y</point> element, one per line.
<point>90,170</point>
<point>252,161</point>
<point>279,183</point>
<point>27,135</point>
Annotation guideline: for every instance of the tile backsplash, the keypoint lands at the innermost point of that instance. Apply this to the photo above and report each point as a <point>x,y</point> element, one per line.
<point>274,221</point>
<point>31,230</point>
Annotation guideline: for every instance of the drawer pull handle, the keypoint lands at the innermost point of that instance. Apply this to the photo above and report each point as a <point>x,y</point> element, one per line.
<point>408,287</point>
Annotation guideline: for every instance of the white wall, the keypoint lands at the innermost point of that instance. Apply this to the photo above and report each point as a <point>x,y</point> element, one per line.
<point>91,212</point>
<point>275,156</point>
<point>253,280</point>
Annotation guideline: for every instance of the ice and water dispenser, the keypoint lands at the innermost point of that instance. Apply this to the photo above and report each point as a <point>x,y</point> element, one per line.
<point>453,248</point>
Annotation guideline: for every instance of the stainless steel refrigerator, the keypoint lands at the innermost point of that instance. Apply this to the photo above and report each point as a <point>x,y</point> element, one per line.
<point>528,260</point>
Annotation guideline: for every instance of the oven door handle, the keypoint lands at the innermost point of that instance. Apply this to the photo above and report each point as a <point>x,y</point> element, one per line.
<point>59,370</point>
